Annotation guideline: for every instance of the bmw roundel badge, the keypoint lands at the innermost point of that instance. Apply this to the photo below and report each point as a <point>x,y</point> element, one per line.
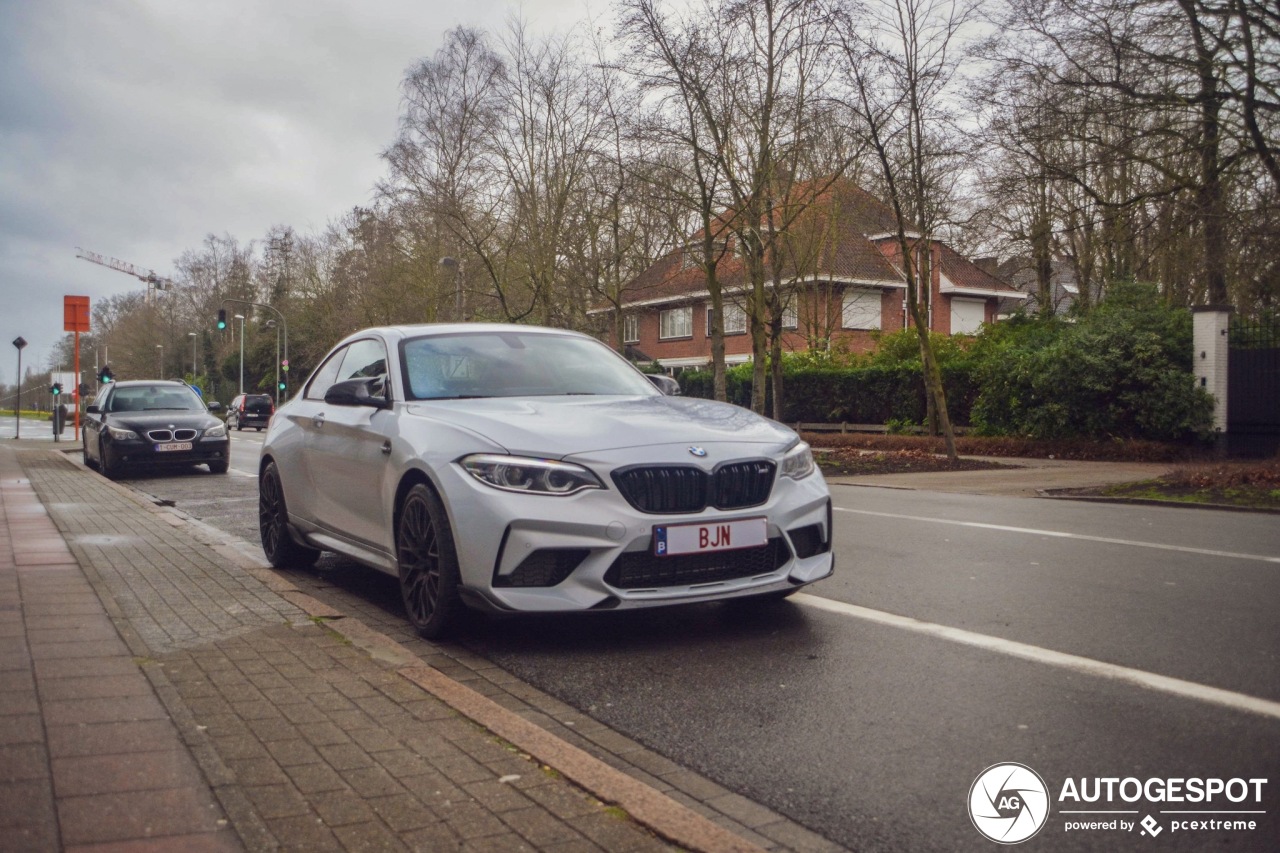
<point>697,451</point>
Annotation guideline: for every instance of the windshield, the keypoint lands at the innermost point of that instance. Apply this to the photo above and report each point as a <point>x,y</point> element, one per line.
<point>155,399</point>
<point>515,364</point>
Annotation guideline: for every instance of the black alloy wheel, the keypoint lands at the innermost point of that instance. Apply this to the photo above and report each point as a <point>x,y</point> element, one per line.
<point>428,563</point>
<point>273,524</point>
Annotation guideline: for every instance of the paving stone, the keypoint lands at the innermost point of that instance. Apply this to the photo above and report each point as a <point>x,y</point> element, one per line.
<point>111,738</point>
<point>338,808</point>
<point>136,814</point>
<point>541,828</point>
<point>274,801</point>
<point>368,838</point>
<point>303,833</point>
<point>134,771</point>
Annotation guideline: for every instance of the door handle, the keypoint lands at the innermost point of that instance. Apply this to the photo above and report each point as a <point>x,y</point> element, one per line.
<point>318,420</point>
<point>386,447</point>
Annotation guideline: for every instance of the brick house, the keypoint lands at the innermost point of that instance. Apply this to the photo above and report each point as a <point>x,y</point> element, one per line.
<point>843,282</point>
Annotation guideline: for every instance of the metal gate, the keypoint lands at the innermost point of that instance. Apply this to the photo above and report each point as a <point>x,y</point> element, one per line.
<point>1253,387</point>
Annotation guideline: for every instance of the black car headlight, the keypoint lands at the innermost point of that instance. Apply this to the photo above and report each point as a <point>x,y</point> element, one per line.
<point>798,462</point>
<point>121,434</point>
<point>532,476</point>
<point>218,431</point>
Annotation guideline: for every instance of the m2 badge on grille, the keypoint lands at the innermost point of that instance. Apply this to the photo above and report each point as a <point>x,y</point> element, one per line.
<point>704,538</point>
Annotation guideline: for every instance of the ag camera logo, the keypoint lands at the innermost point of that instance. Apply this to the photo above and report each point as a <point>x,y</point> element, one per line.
<point>1008,803</point>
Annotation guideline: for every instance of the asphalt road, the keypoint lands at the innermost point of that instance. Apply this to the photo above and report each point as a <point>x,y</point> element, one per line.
<point>959,632</point>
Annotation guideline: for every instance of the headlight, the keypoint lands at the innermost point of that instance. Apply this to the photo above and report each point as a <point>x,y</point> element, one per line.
<point>535,476</point>
<point>798,463</point>
<point>216,431</point>
<point>122,434</point>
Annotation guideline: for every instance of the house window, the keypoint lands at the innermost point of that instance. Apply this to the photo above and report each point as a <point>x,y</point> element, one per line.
<point>676,323</point>
<point>790,317</point>
<point>861,309</point>
<point>735,320</point>
<point>967,315</point>
<point>631,329</point>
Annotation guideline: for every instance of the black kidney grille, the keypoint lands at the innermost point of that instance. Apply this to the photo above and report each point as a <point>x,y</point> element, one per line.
<point>642,570</point>
<point>742,484</point>
<point>663,489</point>
<point>684,489</point>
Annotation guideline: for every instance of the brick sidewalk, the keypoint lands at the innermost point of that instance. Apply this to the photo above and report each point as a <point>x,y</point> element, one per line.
<point>159,690</point>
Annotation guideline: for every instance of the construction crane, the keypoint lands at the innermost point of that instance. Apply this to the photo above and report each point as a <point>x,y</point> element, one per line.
<point>153,281</point>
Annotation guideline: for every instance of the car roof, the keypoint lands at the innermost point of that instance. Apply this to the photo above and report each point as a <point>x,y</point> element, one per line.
<point>144,383</point>
<point>399,333</point>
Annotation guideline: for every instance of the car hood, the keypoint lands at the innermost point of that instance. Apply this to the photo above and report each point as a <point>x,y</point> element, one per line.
<point>141,421</point>
<point>557,427</point>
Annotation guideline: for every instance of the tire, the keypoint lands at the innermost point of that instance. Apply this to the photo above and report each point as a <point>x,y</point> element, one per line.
<point>219,467</point>
<point>239,427</point>
<point>259,429</point>
<point>109,469</point>
<point>273,525</point>
<point>428,564</point>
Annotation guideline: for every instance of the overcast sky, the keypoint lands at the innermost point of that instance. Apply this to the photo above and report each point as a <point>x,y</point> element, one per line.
<point>135,128</point>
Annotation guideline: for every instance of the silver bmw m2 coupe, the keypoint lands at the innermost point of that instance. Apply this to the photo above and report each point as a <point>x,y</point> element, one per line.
<point>520,469</point>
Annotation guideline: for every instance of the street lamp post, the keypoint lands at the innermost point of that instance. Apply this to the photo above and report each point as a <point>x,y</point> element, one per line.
<point>160,361</point>
<point>240,317</point>
<point>19,342</point>
<point>193,337</point>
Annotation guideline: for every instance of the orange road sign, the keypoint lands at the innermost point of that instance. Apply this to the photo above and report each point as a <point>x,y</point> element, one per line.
<point>75,313</point>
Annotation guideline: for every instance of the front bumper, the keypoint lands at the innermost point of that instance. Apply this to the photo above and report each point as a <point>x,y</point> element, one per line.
<point>581,543</point>
<point>122,452</point>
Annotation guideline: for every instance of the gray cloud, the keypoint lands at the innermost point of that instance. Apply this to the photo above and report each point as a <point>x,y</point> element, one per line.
<point>134,129</point>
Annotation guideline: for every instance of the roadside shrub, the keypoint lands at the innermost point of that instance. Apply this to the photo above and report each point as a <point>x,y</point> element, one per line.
<point>1122,371</point>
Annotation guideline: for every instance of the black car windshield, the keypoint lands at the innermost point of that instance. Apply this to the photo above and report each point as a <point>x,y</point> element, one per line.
<point>154,398</point>
<point>470,365</point>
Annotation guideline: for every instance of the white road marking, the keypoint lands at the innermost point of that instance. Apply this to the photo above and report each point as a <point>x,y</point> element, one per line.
<point>1161,546</point>
<point>1088,666</point>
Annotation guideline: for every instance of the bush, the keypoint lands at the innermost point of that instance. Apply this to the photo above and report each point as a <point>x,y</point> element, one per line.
<point>1122,371</point>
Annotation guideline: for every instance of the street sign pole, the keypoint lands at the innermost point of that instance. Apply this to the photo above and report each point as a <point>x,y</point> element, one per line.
<point>75,318</point>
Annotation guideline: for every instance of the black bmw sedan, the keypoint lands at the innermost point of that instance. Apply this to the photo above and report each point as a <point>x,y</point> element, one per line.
<point>153,422</point>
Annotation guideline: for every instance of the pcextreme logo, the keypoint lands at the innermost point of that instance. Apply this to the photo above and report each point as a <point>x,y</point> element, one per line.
<point>1008,803</point>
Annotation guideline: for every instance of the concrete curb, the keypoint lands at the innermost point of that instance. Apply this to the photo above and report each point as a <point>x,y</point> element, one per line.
<point>655,810</point>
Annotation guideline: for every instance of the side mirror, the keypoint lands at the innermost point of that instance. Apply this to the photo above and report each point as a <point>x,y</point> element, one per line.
<point>356,392</point>
<point>664,383</point>
<point>214,406</point>
<point>93,410</point>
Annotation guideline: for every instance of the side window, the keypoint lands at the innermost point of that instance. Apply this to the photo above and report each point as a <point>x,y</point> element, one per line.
<point>364,359</point>
<point>325,376</point>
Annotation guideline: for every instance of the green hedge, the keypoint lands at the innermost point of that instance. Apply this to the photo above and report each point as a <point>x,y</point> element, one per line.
<point>1122,371</point>
<point>874,394</point>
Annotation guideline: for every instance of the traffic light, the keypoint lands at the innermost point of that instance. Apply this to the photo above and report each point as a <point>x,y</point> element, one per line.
<point>280,385</point>
<point>222,318</point>
<point>84,389</point>
<point>56,389</point>
<point>105,375</point>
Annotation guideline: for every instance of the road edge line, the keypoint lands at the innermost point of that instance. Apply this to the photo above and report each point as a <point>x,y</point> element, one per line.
<point>1089,666</point>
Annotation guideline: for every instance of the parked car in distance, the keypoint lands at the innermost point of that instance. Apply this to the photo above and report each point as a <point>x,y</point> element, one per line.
<point>153,422</point>
<point>519,469</point>
<point>252,410</point>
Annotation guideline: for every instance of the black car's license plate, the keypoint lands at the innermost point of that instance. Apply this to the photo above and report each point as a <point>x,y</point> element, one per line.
<point>173,445</point>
